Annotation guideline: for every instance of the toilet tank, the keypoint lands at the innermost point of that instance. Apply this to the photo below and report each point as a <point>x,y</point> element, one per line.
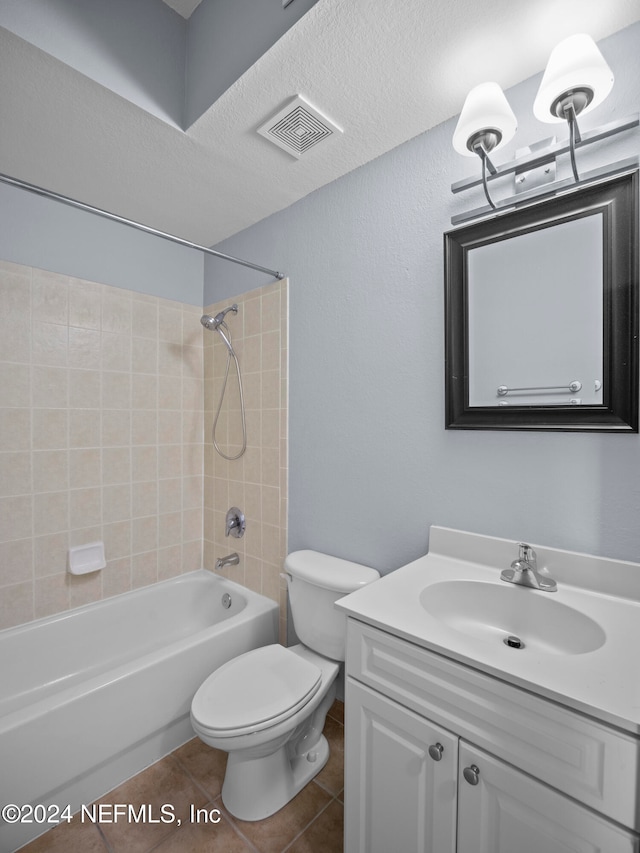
<point>315,582</point>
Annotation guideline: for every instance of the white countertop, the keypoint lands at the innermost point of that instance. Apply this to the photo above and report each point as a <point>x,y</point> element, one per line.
<point>604,683</point>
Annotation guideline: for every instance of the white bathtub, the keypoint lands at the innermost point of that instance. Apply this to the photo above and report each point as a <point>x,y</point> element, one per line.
<point>91,696</point>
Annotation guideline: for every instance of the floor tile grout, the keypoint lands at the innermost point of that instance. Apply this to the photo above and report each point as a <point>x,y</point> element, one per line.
<point>186,765</point>
<point>311,822</point>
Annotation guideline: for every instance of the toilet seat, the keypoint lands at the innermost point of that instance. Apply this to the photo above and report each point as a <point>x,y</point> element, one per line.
<point>255,691</point>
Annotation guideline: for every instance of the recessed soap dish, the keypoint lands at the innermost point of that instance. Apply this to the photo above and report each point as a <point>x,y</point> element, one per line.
<point>86,558</point>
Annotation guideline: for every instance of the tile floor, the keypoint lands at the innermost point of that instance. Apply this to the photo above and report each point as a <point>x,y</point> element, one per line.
<point>192,776</point>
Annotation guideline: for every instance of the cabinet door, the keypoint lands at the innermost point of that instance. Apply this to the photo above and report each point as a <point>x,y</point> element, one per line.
<point>501,810</point>
<point>400,778</point>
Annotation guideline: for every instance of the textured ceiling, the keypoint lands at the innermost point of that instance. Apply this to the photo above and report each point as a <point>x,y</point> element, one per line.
<point>383,71</point>
<point>183,7</point>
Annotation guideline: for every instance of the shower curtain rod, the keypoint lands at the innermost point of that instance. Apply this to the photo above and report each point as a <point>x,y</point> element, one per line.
<point>32,188</point>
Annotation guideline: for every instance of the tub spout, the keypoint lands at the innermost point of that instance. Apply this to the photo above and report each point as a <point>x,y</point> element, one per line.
<point>229,560</point>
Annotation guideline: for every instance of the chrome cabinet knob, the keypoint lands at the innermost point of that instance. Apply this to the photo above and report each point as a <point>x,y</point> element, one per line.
<point>472,774</point>
<point>436,750</point>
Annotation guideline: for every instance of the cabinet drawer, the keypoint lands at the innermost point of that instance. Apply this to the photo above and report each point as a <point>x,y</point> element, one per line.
<point>597,765</point>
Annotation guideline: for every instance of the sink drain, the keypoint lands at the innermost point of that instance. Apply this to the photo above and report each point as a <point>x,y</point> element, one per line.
<point>513,642</point>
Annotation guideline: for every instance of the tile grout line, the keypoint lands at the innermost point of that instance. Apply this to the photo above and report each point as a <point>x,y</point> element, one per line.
<point>311,822</point>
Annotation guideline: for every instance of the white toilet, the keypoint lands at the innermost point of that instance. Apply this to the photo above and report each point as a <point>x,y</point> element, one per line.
<point>267,707</point>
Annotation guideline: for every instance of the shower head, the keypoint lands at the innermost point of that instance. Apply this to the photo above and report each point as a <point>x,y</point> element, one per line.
<point>217,324</point>
<point>212,323</point>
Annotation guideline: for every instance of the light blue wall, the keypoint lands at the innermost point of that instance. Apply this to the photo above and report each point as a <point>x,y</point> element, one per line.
<point>137,49</point>
<point>43,233</point>
<point>225,38</point>
<point>145,52</point>
<point>371,465</point>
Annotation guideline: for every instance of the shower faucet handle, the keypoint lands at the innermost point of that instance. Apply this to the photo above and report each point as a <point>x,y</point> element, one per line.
<point>235,523</point>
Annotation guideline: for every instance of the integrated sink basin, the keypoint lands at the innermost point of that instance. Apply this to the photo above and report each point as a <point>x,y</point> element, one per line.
<point>524,618</point>
<point>578,645</point>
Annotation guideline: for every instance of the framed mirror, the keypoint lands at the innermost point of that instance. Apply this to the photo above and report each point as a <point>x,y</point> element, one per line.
<point>541,314</point>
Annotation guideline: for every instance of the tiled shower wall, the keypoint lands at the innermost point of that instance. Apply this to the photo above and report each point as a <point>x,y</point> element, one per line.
<point>256,482</point>
<point>101,438</point>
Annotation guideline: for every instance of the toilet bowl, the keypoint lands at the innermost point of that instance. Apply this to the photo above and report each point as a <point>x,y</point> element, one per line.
<point>267,708</point>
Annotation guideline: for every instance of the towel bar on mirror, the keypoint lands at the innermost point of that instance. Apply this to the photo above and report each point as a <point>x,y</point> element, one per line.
<point>574,386</point>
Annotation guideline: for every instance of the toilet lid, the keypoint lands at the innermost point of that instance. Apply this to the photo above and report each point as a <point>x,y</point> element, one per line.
<point>255,690</point>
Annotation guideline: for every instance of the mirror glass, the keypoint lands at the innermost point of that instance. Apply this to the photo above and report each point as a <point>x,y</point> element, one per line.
<point>547,281</point>
<point>541,314</point>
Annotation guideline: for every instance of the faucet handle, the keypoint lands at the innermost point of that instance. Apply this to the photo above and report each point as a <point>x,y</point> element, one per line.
<point>235,523</point>
<point>526,553</point>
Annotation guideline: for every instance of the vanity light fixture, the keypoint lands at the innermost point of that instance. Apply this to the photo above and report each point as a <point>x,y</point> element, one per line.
<point>486,123</point>
<point>576,80</point>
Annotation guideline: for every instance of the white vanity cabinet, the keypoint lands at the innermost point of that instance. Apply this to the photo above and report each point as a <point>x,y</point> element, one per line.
<point>398,797</point>
<point>442,758</point>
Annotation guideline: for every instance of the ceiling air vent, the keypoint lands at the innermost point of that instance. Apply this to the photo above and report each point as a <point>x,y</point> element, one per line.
<point>298,127</point>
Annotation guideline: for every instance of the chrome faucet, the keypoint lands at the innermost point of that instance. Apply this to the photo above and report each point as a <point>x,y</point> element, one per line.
<point>524,571</point>
<point>229,560</point>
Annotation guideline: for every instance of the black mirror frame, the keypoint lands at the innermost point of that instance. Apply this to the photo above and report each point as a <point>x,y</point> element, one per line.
<point>617,200</point>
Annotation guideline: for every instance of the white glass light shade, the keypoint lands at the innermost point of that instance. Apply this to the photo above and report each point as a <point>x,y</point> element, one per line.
<point>485,108</point>
<point>575,63</point>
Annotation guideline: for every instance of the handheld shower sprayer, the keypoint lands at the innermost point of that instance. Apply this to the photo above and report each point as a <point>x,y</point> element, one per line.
<point>217,324</point>
<point>214,323</point>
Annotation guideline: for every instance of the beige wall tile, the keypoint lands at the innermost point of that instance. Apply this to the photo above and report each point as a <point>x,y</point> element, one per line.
<point>116,310</point>
<point>16,562</point>
<point>116,503</point>
<point>50,470</point>
<point>50,554</point>
<point>116,390</point>
<point>144,355</point>
<point>84,304</point>
<point>50,387</point>
<point>105,433</point>
<point>50,297</point>
<point>169,562</point>
<point>84,428</point>
<point>116,465</point>
<point>116,427</point>
<point>255,481</point>
<point>15,473</point>
<point>144,499</point>
<point>144,391</point>
<point>50,513</point>
<point>51,595</point>
<point>84,589</point>
<point>16,604</point>
<point>84,389</point>
<point>117,539</point>
<point>49,343</point>
<point>84,467</point>
<point>144,534</point>
<point>84,348</point>
<point>15,429</point>
<point>144,317</point>
<point>50,429</point>
<point>15,381</point>
<point>116,578</point>
<point>85,507</point>
<point>144,462</point>
<point>144,569</point>
<point>170,461</point>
